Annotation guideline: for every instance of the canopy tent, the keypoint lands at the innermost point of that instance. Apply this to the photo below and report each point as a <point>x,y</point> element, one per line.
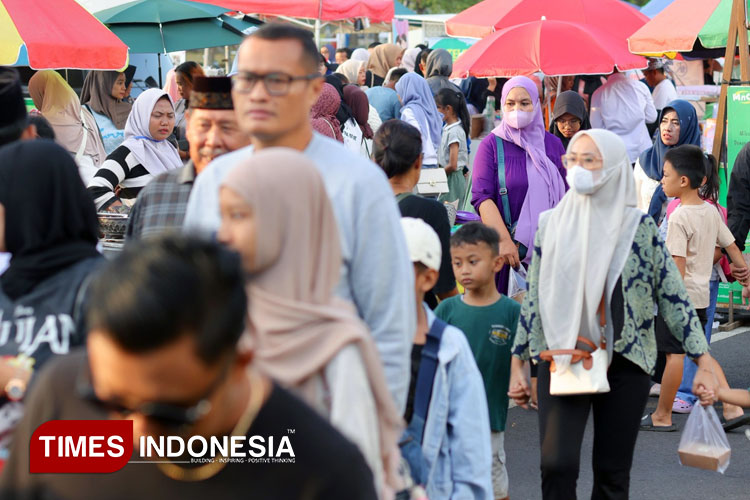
<point>56,35</point>
<point>376,11</point>
<point>619,18</point>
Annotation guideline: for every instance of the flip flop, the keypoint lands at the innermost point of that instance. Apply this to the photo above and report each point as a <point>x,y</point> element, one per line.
<point>733,423</point>
<point>647,424</point>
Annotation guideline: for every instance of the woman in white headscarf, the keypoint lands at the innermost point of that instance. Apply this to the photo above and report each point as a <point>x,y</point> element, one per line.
<point>354,71</point>
<point>595,254</point>
<point>360,55</point>
<point>75,128</point>
<point>144,154</point>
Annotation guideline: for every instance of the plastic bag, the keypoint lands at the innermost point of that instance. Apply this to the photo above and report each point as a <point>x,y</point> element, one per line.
<point>704,443</point>
<point>517,286</point>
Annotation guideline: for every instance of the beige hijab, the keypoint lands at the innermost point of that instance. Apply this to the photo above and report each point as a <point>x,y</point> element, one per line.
<point>383,58</point>
<point>350,69</point>
<point>296,325</point>
<point>59,104</point>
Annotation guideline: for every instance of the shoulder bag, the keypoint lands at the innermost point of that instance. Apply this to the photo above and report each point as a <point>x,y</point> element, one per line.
<point>587,373</point>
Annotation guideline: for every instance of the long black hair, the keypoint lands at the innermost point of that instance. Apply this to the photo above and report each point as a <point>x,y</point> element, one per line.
<point>457,101</point>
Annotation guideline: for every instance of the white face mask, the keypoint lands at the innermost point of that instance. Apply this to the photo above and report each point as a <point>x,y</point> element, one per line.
<point>584,181</point>
<point>518,119</point>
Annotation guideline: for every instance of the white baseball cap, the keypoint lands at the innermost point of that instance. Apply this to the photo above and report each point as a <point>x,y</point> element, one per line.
<point>423,242</point>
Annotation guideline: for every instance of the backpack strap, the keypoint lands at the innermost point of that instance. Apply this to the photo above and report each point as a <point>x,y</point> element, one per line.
<point>503,187</point>
<point>427,369</point>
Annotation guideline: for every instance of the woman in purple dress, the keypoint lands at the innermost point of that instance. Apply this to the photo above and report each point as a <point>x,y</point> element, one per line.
<point>534,177</point>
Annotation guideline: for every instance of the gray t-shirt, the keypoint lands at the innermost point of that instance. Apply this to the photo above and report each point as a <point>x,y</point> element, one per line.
<point>453,133</point>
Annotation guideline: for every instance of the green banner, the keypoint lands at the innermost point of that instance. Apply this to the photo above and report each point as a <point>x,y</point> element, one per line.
<point>738,131</point>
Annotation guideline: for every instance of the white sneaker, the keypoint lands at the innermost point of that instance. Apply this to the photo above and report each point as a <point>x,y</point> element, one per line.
<point>655,391</point>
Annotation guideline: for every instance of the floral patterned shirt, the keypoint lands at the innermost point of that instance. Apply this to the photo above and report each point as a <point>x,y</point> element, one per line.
<point>649,277</point>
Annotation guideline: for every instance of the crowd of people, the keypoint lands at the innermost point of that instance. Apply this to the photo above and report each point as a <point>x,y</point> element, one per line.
<point>281,271</point>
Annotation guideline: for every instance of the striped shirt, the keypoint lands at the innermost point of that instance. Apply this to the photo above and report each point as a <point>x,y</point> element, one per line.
<point>120,168</point>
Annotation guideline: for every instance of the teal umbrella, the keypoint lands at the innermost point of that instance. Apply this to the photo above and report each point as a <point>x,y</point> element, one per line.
<point>172,25</point>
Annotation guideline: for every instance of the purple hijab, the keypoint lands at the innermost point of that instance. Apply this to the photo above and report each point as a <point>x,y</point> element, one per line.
<point>546,185</point>
<point>416,95</point>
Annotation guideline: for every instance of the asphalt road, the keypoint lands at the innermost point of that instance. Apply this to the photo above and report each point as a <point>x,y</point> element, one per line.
<point>656,472</point>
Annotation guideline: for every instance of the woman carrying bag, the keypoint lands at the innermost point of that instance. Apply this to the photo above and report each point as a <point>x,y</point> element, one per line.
<point>598,268</point>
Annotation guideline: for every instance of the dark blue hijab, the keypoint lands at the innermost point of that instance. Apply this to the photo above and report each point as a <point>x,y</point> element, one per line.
<point>652,160</point>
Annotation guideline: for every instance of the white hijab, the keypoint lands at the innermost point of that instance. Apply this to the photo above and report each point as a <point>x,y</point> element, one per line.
<point>586,241</point>
<point>155,156</point>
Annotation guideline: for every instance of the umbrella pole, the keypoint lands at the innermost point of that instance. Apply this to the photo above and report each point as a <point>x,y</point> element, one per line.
<point>158,57</point>
<point>735,27</point>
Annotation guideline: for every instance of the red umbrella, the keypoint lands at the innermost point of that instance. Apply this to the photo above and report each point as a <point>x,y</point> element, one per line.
<point>58,34</point>
<point>618,18</point>
<point>552,47</point>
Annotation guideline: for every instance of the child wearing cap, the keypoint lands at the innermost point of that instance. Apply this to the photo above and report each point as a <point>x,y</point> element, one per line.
<point>446,408</point>
<point>489,320</point>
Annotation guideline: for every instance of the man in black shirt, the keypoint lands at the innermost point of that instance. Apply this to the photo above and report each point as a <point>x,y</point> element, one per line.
<point>164,321</point>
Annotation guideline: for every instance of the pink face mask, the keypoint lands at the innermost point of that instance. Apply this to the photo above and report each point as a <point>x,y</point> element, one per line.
<point>518,119</point>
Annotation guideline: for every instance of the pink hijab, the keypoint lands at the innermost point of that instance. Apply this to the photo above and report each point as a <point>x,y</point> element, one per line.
<point>546,185</point>
<point>323,113</point>
<point>296,325</point>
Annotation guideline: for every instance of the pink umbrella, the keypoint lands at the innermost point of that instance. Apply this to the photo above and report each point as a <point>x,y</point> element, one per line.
<point>552,47</point>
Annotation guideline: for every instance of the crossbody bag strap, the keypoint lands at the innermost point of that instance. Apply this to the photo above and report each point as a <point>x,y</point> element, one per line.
<point>503,186</point>
<point>427,369</point>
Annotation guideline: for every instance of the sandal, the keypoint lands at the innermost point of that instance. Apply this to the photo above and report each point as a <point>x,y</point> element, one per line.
<point>681,406</point>
<point>654,391</point>
<point>647,424</point>
<point>734,423</point>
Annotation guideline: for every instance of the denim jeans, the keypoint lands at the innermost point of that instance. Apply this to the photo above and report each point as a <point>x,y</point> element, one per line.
<point>686,386</point>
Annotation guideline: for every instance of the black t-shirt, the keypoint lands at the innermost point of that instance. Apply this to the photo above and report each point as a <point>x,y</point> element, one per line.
<point>434,214</point>
<point>327,466</point>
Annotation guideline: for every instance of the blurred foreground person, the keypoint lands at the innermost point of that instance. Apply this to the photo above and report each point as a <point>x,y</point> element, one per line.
<point>51,232</point>
<point>273,92</point>
<point>165,318</point>
<point>281,221</point>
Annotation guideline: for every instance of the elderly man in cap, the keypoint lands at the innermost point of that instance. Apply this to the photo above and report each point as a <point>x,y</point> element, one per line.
<point>212,130</point>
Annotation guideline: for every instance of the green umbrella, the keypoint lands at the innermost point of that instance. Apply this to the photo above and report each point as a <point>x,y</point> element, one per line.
<point>172,25</point>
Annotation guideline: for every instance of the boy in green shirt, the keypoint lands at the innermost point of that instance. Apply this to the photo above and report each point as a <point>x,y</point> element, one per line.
<point>489,320</point>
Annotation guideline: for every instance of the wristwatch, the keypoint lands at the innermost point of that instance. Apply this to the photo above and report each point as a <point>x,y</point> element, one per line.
<point>15,389</point>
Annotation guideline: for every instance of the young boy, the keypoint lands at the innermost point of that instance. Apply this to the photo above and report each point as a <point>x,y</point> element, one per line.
<point>455,440</point>
<point>695,230</point>
<point>489,320</point>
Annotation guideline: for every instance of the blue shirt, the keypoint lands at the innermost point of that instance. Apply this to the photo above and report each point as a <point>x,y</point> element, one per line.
<point>112,137</point>
<point>376,273</point>
<point>386,101</point>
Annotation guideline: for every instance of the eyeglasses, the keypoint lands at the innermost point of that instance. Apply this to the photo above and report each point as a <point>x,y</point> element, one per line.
<point>589,162</point>
<point>277,84</point>
<point>166,415</point>
<point>573,122</point>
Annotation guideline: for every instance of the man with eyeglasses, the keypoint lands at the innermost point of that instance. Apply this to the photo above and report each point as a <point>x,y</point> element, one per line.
<point>276,85</point>
<point>165,318</point>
